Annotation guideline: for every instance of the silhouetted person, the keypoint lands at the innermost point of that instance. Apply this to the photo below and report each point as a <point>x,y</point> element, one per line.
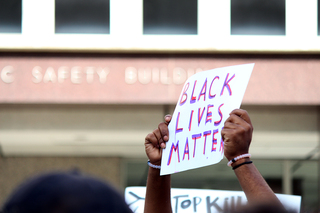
<point>65,192</point>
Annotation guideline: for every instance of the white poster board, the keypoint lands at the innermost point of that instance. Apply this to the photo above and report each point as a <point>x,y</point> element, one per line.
<point>204,201</point>
<point>205,102</point>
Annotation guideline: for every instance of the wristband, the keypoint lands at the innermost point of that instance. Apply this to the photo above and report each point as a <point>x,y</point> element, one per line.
<point>237,166</point>
<point>238,158</point>
<point>153,166</point>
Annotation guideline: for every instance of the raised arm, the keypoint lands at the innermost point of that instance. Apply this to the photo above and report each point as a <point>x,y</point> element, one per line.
<point>158,197</point>
<point>237,135</point>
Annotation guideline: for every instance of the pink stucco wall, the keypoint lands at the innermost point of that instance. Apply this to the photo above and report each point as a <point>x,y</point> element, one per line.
<point>37,79</point>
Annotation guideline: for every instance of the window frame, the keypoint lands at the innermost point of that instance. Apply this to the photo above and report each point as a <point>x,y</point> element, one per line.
<point>126,35</point>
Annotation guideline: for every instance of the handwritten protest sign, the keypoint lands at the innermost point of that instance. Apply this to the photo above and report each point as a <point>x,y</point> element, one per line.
<point>205,201</point>
<point>204,104</point>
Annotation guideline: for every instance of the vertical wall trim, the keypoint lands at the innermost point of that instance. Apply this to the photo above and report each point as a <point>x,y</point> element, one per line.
<point>287,177</point>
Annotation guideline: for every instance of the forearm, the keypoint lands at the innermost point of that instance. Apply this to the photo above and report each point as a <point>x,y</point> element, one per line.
<point>254,185</point>
<point>158,196</point>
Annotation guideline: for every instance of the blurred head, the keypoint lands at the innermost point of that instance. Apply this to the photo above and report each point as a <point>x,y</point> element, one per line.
<point>60,192</point>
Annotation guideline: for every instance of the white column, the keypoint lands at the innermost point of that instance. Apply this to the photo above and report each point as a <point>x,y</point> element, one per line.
<point>38,17</point>
<point>301,18</point>
<point>214,18</point>
<point>287,177</point>
<point>126,18</point>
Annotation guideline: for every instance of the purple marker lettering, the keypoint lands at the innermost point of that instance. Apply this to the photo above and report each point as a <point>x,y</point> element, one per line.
<point>210,95</point>
<point>195,137</point>
<point>190,122</point>
<point>226,84</point>
<point>186,150</point>
<point>200,114</point>
<point>209,114</point>
<point>176,149</point>
<point>184,96</point>
<point>203,91</point>
<point>216,123</point>
<point>193,98</point>
<point>214,140</point>
<point>205,134</point>
<point>177,124</point>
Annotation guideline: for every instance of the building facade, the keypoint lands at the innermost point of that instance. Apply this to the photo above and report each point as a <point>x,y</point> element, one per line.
<point>83,82</point>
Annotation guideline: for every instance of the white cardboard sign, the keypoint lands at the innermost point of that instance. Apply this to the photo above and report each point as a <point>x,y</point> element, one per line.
<point>205,201</point>
<point>204,104</point>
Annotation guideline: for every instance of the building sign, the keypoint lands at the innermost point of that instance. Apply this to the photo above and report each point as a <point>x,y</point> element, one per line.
<point>147,80</point>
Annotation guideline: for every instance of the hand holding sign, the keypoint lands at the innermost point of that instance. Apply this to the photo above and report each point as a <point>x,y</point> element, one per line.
<point>156,141</point>
<point>237,134</point>
<point>205,102</point>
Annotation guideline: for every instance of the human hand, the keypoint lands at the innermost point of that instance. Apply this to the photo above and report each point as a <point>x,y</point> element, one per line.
<point>156,141</point>
<point>237,134</point>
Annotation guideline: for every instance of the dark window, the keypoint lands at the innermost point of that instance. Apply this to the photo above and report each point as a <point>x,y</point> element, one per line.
<point>254,17</point>
<point>276,185</point>
<point>10,16</point>
<point>82,16</point>
<point>318,17</point>
<point>170,17</point>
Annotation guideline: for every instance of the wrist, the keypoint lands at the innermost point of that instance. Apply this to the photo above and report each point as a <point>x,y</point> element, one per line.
<point>156,163</point>
<point>237,158</point>
<point>235,155</point>
<point>155,160</point>
<point>246,159</point>
<point>153,165</point>
<point>241,164</point>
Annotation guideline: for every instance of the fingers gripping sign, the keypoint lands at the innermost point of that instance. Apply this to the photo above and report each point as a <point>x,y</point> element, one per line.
<point>156,141</point>
<point>237,134</point>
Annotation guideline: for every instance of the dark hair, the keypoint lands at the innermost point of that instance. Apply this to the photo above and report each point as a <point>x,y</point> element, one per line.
<point>65,192</point>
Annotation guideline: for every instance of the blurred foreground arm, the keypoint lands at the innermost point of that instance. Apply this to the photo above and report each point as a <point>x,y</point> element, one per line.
<point>158,197</point>
<point>237,135</point>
